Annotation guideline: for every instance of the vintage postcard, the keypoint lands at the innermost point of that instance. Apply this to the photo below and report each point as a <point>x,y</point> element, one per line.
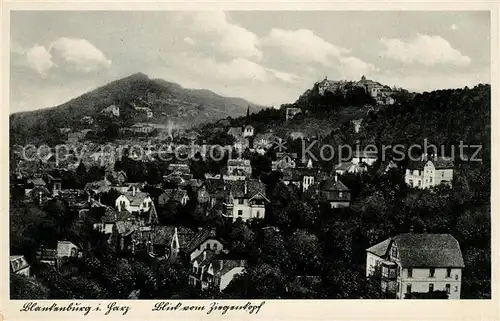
<point>270,160</point>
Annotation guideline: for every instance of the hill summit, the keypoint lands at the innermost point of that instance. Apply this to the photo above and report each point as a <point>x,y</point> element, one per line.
<point>161,101</point>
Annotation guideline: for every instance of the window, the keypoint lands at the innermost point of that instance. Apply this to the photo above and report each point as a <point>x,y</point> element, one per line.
<point>258,214</point>
<point>419,183</point>
<point>240,201</point>
<point>394,252</point>
<point>448,272</point>
<point>432,271</point>
<point>430,179</point>
<point>340,194</point>
<point>431,287</point>
<point>456,277</point>
<point>456,288</point>
<point>408,288</point>
<point>442,174</point>
<point>410,272</point>
<point>411,182</point>
<point>240,212</point>
<point>448,288</point>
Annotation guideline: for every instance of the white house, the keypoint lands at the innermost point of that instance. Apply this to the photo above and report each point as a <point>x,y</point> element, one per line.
<point>349,167</point>
<point>285,161</point>
<point>134,201</point>
<point>429,173</point>
<point>419,263</point>
<point>248,131</point>
<point>247,200</point>
<point>210,272</point>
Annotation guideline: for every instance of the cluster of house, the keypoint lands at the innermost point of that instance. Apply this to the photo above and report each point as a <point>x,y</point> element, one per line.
<point>382,94</point>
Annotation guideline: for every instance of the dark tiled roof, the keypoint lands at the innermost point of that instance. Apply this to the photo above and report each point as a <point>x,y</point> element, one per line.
<point>162,234</point>
<point>235,131</point>
<point>37,182</point>
<point>253,187</point>
<point>172,194</point>
<point>332,185</point>
<point>380,249</point>
<point>185,236</point>
<point>112,216</point>
<point>432,250</point>
<point>35,192</point>
<point>416,165</point>
<point>227,265</point>
<point>137,199</point>
<point>424,250</point>
<point>199,238</point>
<point>442,163</point>
<point>125,227</point>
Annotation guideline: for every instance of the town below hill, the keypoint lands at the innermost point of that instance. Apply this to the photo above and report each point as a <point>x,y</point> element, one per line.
<point>237,209</point>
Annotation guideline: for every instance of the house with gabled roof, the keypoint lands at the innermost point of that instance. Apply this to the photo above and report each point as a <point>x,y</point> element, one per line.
<point>134,201</point>
<point>417,263</point>
<point>163,241</point>
<point>283,160</point>
<point>335,193</point>
<point>204,239</point>
<point>247,200</point>
<point>248,131</point>
<point>429,172</point>
<point>210,270</point>
<point>236,132</point>
<point>179,196</point>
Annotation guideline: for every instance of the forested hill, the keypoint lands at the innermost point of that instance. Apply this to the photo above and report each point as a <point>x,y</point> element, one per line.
<point>443,117</point>
<point>168,101</point>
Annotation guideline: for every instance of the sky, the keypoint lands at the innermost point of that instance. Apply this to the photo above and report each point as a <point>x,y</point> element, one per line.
<point>266,57</point>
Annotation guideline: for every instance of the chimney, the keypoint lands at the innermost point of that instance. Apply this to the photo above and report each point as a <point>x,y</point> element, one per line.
<point>133,190</point>
<point>246,187</point>
<point>336,178</point>
<point>204,255</point>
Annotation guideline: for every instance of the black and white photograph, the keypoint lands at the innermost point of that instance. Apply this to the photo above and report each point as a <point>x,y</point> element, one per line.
<point>248,155</point>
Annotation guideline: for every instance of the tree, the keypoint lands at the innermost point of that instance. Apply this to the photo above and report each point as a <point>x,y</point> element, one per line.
<point>27,288</point>
<point>273,250</point>
<point>305,252</point>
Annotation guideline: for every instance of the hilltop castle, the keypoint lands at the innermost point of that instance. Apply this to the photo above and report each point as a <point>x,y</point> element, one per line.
<point>381,93</point>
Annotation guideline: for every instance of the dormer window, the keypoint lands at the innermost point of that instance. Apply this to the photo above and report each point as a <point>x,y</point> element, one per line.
<point>394,252</point>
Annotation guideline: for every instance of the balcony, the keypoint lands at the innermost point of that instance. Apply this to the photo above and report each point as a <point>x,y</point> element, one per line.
<point>389,271</point>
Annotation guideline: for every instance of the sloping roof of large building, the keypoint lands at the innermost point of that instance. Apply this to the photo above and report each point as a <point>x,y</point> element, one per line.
<point>424,250</point>
<point>442,163</point>
<point>199,238</point>
<point>136,198</point>
<point>247,188</point>
<point>334,185</point>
